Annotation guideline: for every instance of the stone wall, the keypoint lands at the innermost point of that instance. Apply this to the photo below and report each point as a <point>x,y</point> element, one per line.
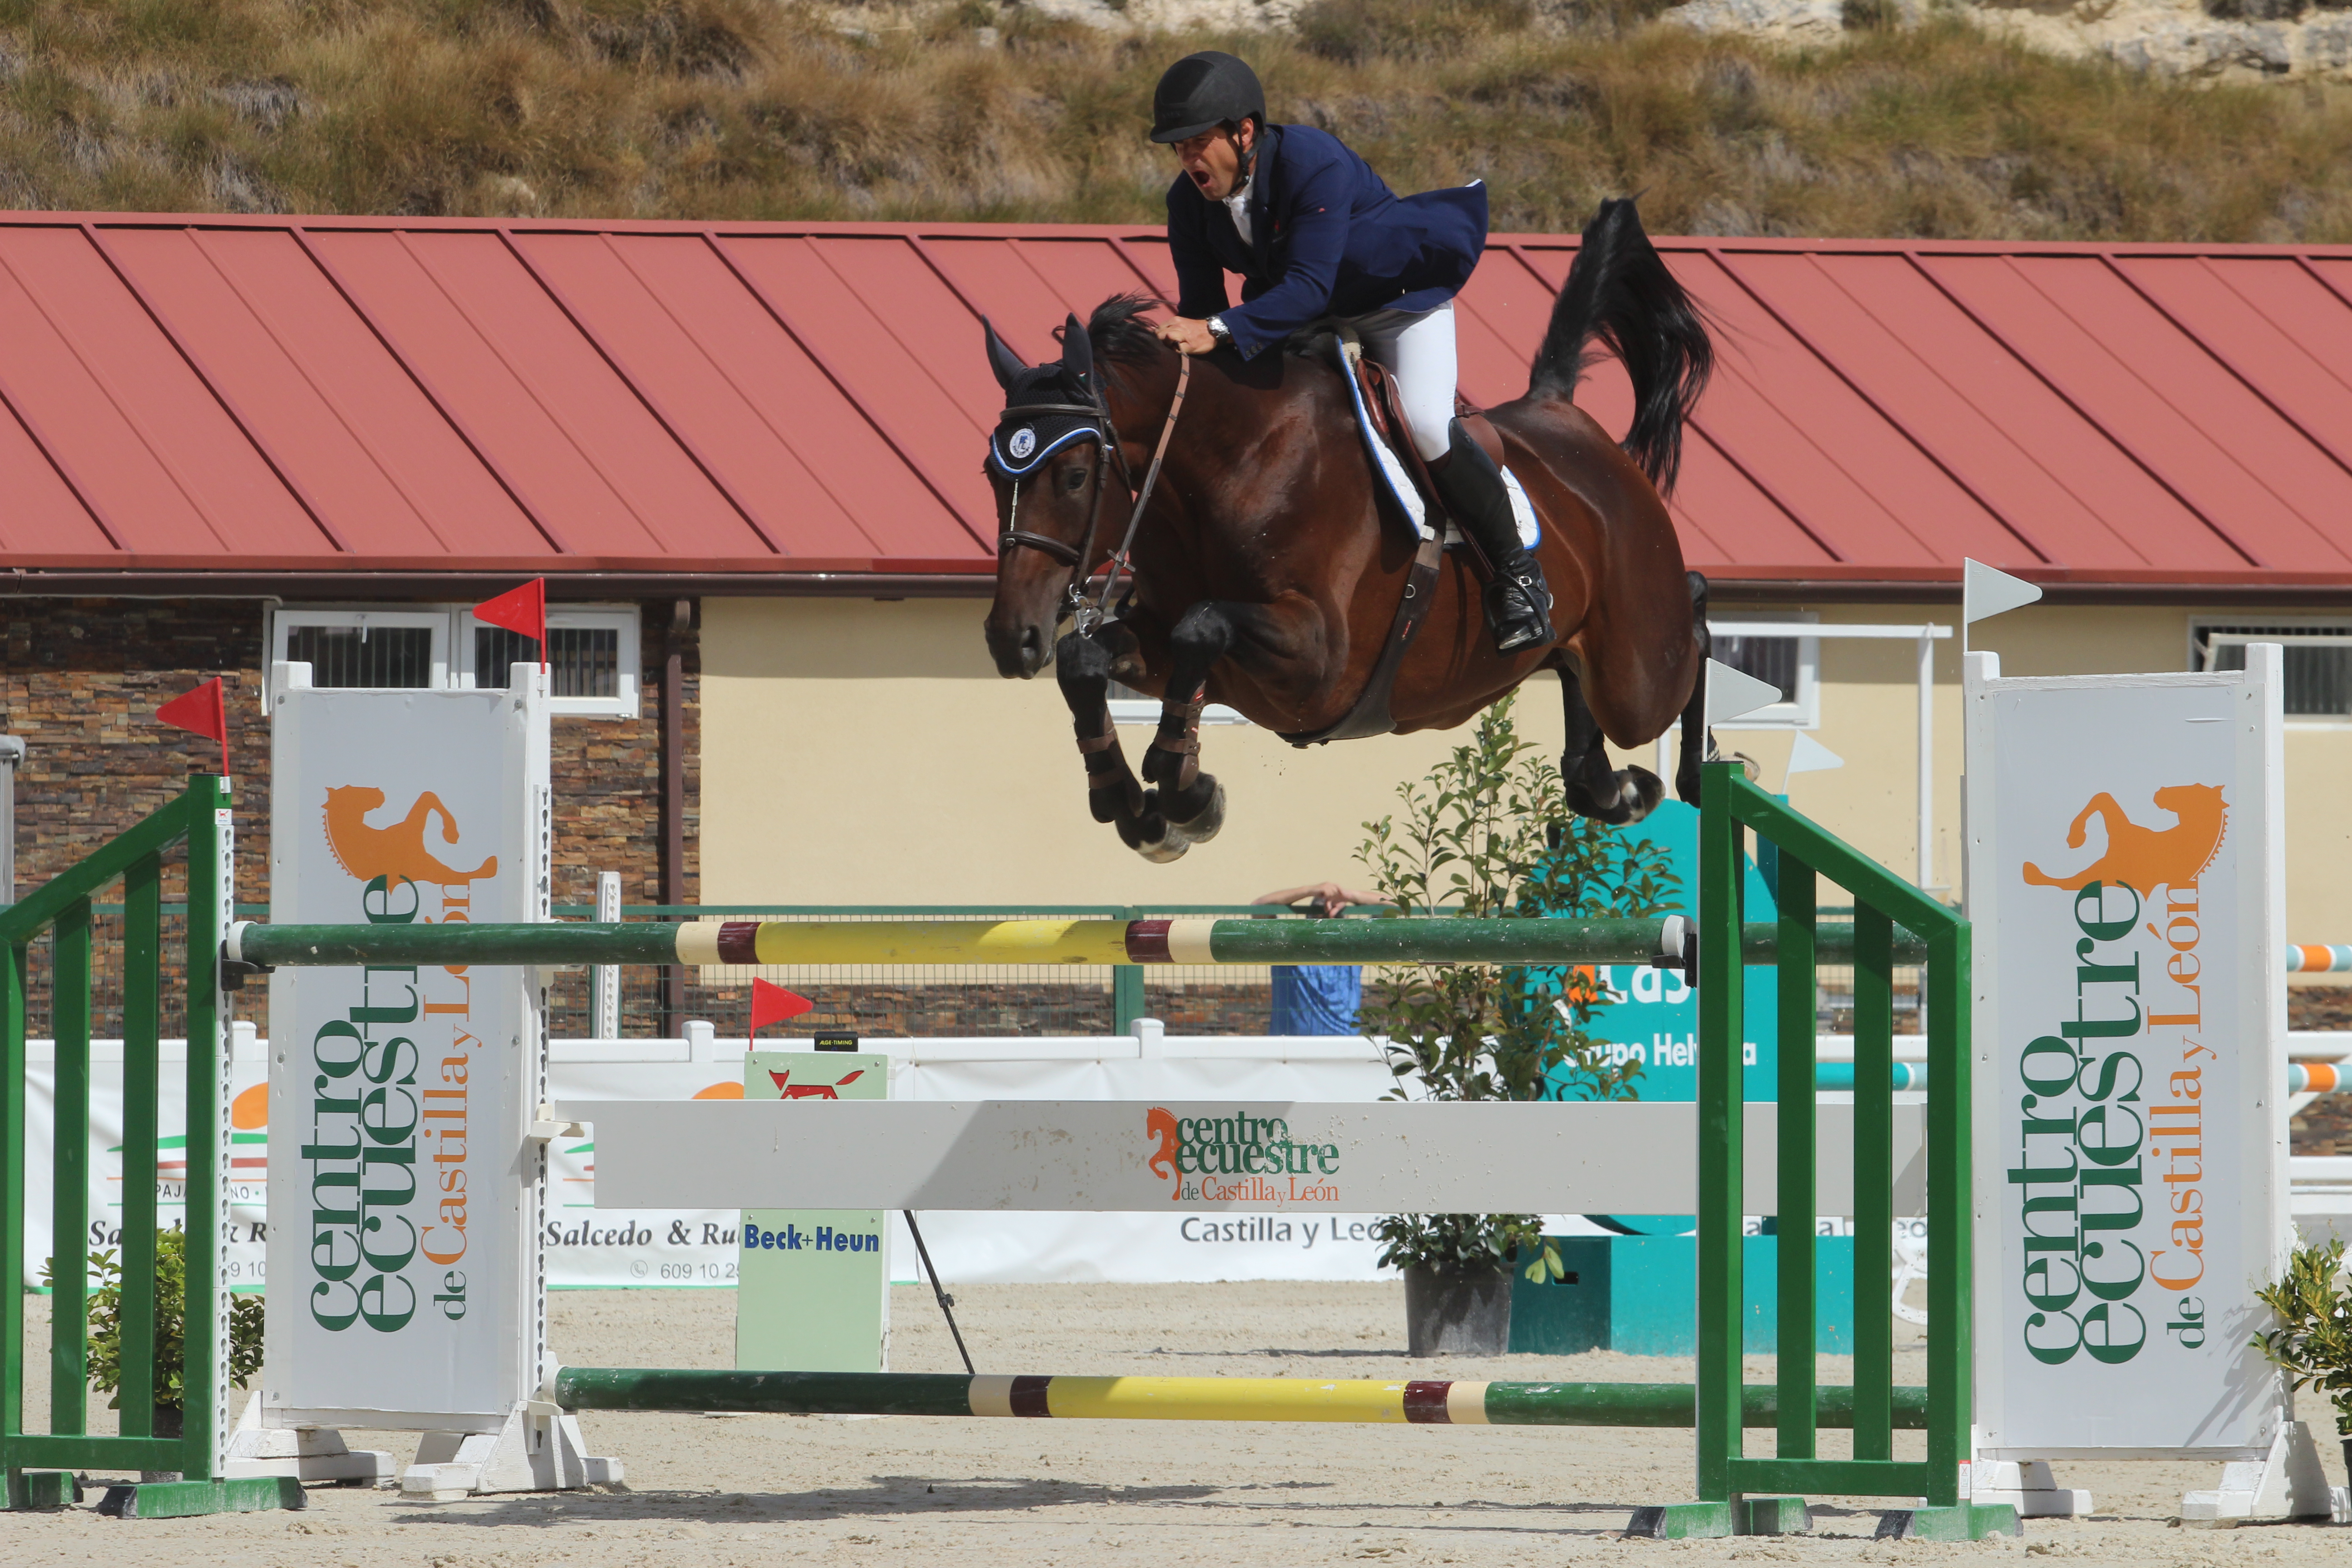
<point>2267,40</point>
<point>81,679</point>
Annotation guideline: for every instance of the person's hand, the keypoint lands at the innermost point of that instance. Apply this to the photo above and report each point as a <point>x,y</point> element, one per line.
<point>1321,898</point>
<point>1186,336</point>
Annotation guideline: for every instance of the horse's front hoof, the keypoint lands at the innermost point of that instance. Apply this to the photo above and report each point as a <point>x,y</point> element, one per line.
<point>1647,788</point>
<point>1203,824</point>
<point>1169,846</point>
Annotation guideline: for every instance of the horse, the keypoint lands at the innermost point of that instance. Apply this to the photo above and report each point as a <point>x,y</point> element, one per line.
<point>1268,569</point>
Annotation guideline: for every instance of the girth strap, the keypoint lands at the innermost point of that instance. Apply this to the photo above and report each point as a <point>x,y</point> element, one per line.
<point>1370,714</point>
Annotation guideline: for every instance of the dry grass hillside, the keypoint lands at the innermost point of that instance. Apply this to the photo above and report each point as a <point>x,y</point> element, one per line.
<point>749,108</point>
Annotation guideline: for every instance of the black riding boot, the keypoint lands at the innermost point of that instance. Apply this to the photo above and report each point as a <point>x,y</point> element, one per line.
<point>1518,601</point>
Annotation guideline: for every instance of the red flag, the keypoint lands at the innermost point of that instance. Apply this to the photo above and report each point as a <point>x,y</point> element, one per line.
<point>204,711</point>
<point>773,1004</point>
<point>522,610</point>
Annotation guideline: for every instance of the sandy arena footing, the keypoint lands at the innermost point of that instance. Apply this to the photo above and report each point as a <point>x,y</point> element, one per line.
<point>758,1489</point>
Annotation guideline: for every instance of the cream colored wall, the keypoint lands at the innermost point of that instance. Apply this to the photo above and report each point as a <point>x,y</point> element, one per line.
<point>856,752</point>
<point>865,753</point>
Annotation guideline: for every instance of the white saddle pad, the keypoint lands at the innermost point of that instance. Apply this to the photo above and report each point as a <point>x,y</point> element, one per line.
<point>1391,469</point>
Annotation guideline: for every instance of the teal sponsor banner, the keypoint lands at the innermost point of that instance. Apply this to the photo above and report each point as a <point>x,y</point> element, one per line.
<point>812,1287</point>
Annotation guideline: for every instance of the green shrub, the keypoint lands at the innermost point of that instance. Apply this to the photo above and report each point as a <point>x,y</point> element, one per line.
<point>2313,1343</point>
<point>1489,834</point>
<point>244,1323</point>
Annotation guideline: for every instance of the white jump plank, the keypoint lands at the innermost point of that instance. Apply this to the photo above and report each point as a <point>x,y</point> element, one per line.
<point>1108,1156</point>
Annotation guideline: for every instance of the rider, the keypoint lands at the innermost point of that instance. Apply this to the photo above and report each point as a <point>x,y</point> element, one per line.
<point>1316,235</point>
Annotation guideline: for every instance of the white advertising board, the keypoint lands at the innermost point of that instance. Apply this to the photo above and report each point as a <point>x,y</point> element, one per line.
<point>1206,1157</point>
<point>2125,880</point>
<point>404,1262</point>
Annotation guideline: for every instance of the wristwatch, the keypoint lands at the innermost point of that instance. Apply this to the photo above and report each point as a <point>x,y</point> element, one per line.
<point>1219,331</point>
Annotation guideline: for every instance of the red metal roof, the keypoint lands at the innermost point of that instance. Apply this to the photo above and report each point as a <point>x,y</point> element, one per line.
<point>251,396</point>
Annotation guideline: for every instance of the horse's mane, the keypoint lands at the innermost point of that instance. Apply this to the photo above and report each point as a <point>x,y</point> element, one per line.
<point>1120,336</point>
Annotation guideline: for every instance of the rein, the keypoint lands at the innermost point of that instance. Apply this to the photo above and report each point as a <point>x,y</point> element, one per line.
<point>1107,450</point>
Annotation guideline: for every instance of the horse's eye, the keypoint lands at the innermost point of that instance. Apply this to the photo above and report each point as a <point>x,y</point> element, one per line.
<point>1074,479</point>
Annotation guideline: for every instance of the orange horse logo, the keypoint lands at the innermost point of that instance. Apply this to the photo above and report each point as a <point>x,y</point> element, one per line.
<point>397,854</point>
<point>810,1091</point>
<point>2146,859</point>
<point>1161,1124</point>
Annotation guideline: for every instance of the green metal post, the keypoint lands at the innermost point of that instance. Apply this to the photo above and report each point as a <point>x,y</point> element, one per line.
<point>1873,1193</point>
<point>1721,1202</point>
<point>1127,1002</point>
<point>200,817</point>
<point>69,1202</point>
<point>1951,1214</point>
<point>143,957</point>
<point>1793,1250</point>
<point>211,887</point>
<point>1882,898</point>
<point>14,1092</point>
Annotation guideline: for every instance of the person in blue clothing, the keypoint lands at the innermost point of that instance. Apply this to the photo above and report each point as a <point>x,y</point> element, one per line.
<point>1317,998</point>
<point>1314,236</point>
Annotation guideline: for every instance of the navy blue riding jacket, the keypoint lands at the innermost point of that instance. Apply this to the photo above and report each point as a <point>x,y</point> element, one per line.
<point>1328,238</point>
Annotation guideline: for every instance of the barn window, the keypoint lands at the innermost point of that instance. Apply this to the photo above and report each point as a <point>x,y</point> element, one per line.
<point>591,653</point>
<point>2317,659</point>
<point>1753,645</point>
<point>591,660</point>
<point>365,649</point>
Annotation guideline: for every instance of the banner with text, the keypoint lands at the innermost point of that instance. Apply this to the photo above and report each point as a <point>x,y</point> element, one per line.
<point>409,1190</point>
<point>2125,878</point>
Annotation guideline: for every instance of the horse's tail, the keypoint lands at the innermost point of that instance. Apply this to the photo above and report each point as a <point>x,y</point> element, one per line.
<point>1620,291</point>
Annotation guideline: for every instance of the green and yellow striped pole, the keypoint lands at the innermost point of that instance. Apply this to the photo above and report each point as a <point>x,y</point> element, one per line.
<point>1380,1402</point>
<point>1199,940</point>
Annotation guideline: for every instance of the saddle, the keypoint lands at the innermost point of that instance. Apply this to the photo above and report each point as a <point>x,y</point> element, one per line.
<point>1400,465</point>
<point>1385,416</point>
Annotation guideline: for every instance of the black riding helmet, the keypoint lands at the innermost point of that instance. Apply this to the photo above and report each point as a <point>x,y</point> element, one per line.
<point>1202,91</point>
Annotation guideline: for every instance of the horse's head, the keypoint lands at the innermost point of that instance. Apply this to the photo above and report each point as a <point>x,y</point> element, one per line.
<point>1049,465</point>
<point>2192,801</point>
<point>352,800</point>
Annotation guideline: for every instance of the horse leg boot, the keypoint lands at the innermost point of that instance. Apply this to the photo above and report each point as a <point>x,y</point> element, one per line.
<point>1698,742</point>
<point>1082,667</point>
<point>1193,802</point>
<point>1518,601</point>
<point>1594,788</point>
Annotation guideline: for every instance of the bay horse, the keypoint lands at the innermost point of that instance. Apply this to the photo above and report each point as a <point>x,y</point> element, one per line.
<point>1268,568</point>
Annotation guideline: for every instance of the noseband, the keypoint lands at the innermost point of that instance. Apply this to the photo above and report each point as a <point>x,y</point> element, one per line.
<point>1108,451</point>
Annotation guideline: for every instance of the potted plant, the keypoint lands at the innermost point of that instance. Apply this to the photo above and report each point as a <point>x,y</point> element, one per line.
<point>105,1341</point>
<point>2313,1341</point>
<point>1489,834</point>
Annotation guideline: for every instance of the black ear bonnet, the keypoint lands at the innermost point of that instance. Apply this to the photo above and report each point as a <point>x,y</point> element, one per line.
<point>1023,440</point>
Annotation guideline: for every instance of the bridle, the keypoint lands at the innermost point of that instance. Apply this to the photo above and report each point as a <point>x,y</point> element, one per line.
<point>1109,451</point>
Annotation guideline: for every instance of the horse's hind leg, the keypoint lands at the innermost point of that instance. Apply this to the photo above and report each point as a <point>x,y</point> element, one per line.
<point>2103,807</point>
<point>1698,741</point>
<point>1082,666</point>
<point>1595,789</point>
<point>1194,801</point>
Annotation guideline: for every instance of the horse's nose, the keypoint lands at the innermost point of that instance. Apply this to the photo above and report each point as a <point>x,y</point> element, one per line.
<point>1021,653</point>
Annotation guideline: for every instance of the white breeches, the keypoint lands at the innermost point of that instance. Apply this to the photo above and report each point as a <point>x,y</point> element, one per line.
<point>1417,348</point>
